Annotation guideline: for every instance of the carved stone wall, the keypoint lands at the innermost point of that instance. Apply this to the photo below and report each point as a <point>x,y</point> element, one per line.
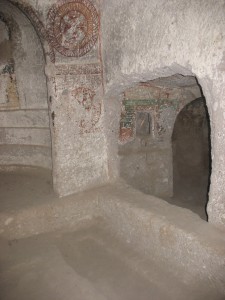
<point>69,32</point>
<point>145,154</point>
<point>9,94</point>
<point>162,42</point>
<point>24,121</point>
<point>75,84</point>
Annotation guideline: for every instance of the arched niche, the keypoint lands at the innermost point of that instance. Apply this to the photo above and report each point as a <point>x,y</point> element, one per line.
<point>192,157</point>
<point>25,138</point>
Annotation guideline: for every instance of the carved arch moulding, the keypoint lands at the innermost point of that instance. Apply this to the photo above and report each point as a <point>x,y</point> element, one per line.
<point>38,25</point>
<point>73,27</point>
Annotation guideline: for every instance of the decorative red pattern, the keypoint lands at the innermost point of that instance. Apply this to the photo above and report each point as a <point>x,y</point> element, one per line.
<point>73,27</point>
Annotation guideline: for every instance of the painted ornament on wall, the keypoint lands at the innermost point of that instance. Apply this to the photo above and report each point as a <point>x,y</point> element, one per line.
<point>73,27</point>
<point>90,109</point>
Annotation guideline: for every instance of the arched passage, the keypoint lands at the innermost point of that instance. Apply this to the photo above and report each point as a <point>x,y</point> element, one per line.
<point>192,157</point>
<point>149,158</point>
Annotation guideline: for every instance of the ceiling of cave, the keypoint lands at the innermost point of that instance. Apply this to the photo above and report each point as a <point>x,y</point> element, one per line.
<point>174,81</point>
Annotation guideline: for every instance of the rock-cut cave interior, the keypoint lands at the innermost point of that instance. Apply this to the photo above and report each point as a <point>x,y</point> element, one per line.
<point>168,152</point>
<point>112,138</point>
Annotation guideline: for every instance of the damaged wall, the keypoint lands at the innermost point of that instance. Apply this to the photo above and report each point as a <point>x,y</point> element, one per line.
<point>69,31</point>
<point>149,39</point>
<point>75,85</point>
<point>24,121</point>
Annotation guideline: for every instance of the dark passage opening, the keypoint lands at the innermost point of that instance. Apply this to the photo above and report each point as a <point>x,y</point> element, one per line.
<point>192,157</point>
<point>143,123</point>
<point>164,141</point>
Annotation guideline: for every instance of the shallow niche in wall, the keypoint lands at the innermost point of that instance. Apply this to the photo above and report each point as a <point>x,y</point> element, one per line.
<point>164,141</point>
<point>9,94</point>
<point>25,140</point>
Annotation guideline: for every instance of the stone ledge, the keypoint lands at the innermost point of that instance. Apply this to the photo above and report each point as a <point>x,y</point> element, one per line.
<point>151,226</point>
<point>166,232</point>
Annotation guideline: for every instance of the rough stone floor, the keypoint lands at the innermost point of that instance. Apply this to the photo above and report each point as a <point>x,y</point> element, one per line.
<point>84,263</point>
<point>191,196</point>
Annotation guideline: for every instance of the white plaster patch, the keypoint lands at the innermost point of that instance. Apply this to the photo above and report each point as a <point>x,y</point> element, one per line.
<point>8,221</point>
<point>215,106</point>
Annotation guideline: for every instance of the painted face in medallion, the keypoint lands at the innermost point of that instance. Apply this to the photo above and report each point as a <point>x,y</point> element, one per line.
<point>73,28</point>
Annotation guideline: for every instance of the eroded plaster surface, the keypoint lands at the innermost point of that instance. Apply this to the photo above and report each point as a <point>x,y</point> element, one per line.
<point>75,85</point>
<point>140,41</point>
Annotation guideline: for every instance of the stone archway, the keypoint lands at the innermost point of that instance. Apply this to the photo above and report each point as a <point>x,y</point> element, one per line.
<point>25,131</point>
<point>146,160</point>
<point>192,157</point>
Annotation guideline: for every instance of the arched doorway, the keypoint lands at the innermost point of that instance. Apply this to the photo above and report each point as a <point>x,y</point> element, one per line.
<point>149,159</point>
<point>192,157</point>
